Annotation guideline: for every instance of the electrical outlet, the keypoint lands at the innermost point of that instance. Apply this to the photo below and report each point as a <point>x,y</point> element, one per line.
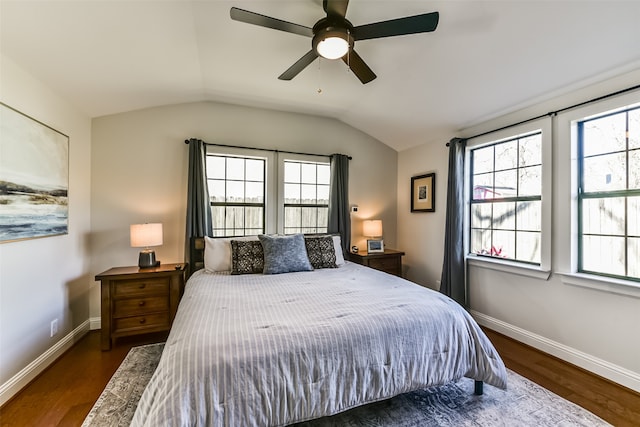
<point>54,327</point>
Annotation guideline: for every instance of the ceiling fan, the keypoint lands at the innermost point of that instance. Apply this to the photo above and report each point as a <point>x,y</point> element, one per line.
<point>334,37</point>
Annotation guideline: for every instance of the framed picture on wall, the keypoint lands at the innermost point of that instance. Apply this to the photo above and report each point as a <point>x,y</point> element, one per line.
<point>34,178</point>
<point>374,246</point>
<point>423,193</point>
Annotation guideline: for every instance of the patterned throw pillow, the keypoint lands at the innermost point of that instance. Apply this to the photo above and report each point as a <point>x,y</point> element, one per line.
<point>247,257</point>
<point>284,254</point>
<point>321,251</point>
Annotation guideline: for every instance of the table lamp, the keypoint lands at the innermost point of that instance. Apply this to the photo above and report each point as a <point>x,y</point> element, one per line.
<point>145,236</point>
<point>372,228</point>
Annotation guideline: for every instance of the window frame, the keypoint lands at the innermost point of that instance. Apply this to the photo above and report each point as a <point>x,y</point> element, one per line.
<point>567,230</point>
<point>274,178</point>
<point>543,270</point>
<point>269,178</point>
<point>582,195</point>
<point>244,204</point>
<point>301,158</point>
<point>493,202</point>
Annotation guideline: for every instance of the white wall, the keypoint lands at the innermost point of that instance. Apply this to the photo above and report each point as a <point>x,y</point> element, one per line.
<point>595,329</point>
<point>421,234</point>
<point>139,170</point>
<point>47,278</point>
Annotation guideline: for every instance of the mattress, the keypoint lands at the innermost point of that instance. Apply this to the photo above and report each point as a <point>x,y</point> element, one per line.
<point>272,350</point>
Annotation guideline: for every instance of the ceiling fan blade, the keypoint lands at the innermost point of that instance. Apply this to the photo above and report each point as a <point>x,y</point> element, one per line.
<point>269,22</point>
<point>396,27</point>
<point>335,7</point>
<point>299,65</point>
<point>359,67</point>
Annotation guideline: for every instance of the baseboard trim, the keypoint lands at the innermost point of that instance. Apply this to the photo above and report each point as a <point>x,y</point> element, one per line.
<point>95,323</point>
<point>33,369</point>
<point>585,361</point>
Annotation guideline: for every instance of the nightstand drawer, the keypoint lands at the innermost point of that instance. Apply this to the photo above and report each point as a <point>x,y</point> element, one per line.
<point>385,264</point>
<point>139,306</point>
<point>149,321</point>
<point>389,261</point>
<point>129,288</point>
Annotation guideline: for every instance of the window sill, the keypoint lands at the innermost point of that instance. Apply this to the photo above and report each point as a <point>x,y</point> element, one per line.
<point>605,284</point>
<point>509,267</point>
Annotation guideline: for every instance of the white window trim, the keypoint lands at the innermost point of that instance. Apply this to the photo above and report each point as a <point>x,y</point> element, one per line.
<point>602,283</point>
<point>543,271</point>
<point>281,157</point>
<point>508,266</point>
<point>567,124</point>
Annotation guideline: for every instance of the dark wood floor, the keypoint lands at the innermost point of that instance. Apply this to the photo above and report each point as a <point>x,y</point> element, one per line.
<point>615,404</point>
<point>65,392</point>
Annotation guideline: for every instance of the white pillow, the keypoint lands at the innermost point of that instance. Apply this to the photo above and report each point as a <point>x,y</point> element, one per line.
<point>217,252</point>
<point>338,247</point>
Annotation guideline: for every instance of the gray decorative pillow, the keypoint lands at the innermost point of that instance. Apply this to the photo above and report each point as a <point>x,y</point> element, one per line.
<point>284,254</point>
<point>247,257</point>
<point>321,251</point>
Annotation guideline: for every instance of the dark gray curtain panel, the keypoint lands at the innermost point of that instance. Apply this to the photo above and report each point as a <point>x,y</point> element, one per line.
<point>198,205</point>
<point>339,215</point>
<point>453,280</point>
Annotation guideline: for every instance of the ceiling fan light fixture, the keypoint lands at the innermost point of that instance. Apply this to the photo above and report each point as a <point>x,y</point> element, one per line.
<point>332,47</point>
<point>332,40</point>
<point>334,36</point>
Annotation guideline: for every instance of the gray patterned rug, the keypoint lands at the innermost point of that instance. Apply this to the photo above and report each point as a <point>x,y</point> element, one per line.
<point>523,404</point>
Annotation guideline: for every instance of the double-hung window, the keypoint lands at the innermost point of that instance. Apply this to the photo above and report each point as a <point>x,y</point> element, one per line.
<point>509,192</point>
<point>306,196</point>
<point>250,195</point>
<point>506,199</point>
<point>237,194</point>
<point>609,194</point>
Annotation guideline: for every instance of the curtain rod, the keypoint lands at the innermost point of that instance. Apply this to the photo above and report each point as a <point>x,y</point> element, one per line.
<point>186,141</point>
<point>555,113</point>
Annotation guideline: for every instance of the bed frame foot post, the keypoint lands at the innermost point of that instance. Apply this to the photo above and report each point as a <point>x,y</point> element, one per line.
<point>478,388</point>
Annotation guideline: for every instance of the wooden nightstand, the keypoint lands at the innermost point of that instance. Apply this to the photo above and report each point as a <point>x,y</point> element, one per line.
<point>139,300</point>
<point>389,261</point>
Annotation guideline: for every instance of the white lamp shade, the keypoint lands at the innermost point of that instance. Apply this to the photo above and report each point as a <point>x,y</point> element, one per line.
<point>146,235</point>
<point>333,47</point>
<point>372,228</point>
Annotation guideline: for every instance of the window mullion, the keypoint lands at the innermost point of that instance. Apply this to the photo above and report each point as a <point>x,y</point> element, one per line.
<point>626,199</point>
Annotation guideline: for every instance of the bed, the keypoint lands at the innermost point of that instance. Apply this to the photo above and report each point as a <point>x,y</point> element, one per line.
<point>277,349</point>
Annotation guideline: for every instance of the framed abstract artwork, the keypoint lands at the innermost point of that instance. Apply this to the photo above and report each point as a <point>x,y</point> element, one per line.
<point>34,178</point>
<point>423,193</point>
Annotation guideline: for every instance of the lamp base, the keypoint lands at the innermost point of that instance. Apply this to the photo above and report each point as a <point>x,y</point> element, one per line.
<point>147,259</point>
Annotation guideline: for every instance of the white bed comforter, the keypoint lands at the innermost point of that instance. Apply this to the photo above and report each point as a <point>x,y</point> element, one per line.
<point>271,350</point>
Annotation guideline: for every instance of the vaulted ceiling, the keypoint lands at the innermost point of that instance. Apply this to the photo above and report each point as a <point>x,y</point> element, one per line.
<point>485,58</point>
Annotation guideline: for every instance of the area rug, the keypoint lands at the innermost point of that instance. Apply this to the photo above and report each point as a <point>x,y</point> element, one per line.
<point>524,403</point>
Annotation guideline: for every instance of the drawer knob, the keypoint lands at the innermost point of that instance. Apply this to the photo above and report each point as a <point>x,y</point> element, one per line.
<point>143,321</point>
<point>141,303</point>
<point>142,285</point>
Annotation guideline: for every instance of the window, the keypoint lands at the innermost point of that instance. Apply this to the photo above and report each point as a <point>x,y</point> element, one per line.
<point>609,194</point>
<point>306,196</point>
<point>506,216</point>
<point>237,194</point>
<point>255,191</point>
